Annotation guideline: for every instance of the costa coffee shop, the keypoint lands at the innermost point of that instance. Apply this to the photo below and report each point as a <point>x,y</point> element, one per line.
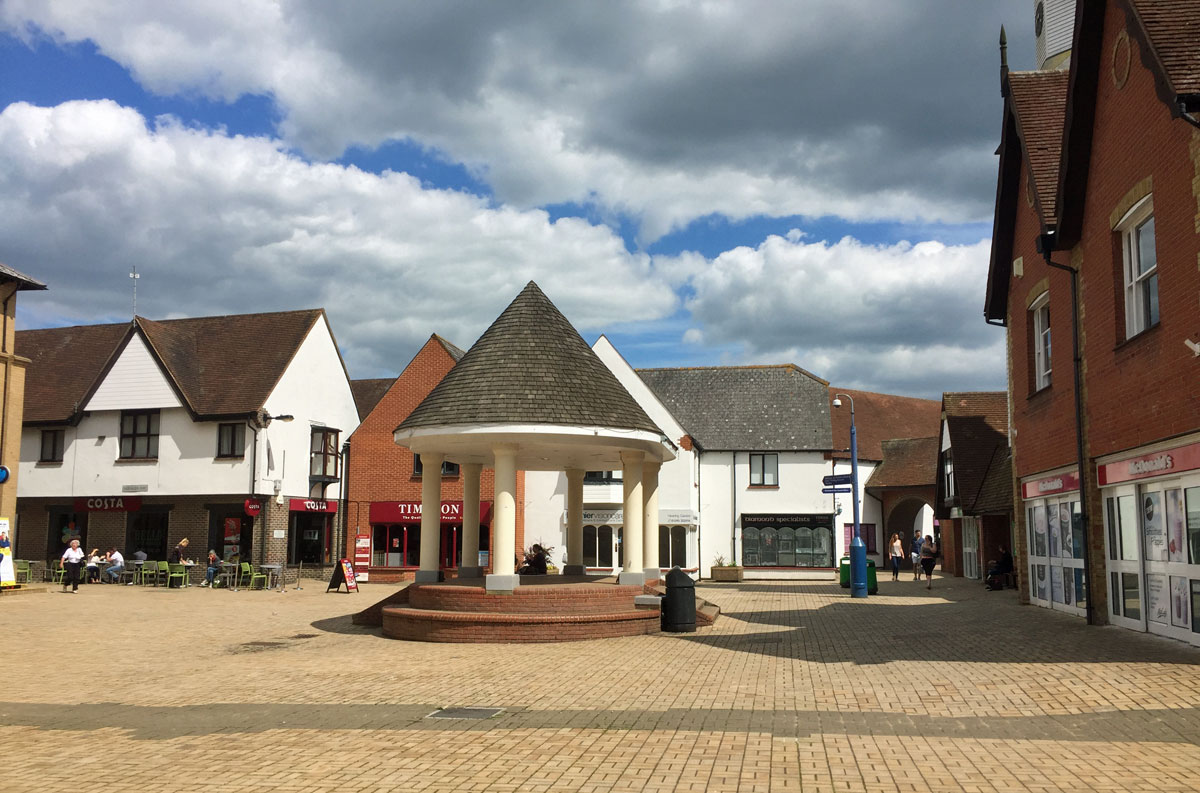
<point>395,539</point>
<point>310,530</point>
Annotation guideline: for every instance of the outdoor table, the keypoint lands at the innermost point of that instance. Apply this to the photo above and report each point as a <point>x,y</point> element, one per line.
<point>274,572</point>
<point>187,571</point>
<point>228,574</point>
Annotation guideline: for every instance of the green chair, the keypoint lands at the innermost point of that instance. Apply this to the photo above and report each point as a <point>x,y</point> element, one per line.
<point>58,573</point>
<point>24,571</point>
<point>164,573</point>
<point>147,573</point>
<point>248,577</point>
<point>176,572</point>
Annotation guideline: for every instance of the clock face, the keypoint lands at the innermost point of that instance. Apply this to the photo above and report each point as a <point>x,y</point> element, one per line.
<point>1039,15</point>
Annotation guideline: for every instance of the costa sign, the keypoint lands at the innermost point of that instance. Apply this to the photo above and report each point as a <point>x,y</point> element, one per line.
<point>252,507</point>
<point>312,505</point>
<point>109,504</point>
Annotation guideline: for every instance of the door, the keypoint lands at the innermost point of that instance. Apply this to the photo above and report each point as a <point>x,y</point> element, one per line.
<point>1039,553</point>
<point>1068,588</point>
<point>1121,529</point>
<point>970,547</point>
<point>1166,572</point>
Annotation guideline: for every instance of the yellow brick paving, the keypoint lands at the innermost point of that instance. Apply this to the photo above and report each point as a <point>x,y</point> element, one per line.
<point>797,688</point>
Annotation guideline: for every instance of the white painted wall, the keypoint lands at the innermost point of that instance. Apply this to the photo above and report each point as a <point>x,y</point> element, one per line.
<point>135,382</point>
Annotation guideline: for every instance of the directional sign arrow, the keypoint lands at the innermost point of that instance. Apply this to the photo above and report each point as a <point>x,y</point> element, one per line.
<point>837,490</point>
<point>838,479</point>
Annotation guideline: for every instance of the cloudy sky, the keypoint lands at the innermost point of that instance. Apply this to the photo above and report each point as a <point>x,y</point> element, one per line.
<point>705,182</point>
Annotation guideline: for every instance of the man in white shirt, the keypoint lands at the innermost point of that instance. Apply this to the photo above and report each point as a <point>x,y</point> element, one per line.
<point>72,559</point>
<point>116,563</point>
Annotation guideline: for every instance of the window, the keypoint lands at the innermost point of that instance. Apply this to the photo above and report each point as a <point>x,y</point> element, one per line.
<point>52,446</point>
<point>231,440</point>
<point>672,546</point>
<point>323,458</point>
<point>139,434</point>
<point>448,468</point>
<point>1140,268</point>
<point>764,470</point>
<point>147,531</point>
<point>602,477</point>
<point>1040,315</point>
<point>948,476</point>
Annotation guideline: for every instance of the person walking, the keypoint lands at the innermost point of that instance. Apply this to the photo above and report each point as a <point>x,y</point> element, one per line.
<point>917,542</point>
<point>72,559</point>
<point>897,555</point>
<point>928,560</point>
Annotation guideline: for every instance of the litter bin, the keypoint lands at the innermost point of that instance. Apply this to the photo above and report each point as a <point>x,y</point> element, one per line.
<point>844,572</point>
<point>679,603</point>
<point>872,582</point>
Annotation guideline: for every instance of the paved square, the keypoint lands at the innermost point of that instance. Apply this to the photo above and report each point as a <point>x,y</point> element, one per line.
<point>797,688</point>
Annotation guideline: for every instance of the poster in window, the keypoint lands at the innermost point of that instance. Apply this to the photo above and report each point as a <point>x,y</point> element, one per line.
<point>1039,532</point>
<point>1154,528</point>
<point>232,534</point>
<point>1052,531</point>
<point>1041,582</point>
<point>1068,587</point>
<point>1157,606</point>
<point>1056,583</point>
<point>1180,602</point>
<point>1066,542</point>
<point>1176,548</point>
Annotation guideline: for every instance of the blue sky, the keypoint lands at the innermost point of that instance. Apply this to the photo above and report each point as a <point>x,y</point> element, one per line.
<point>706,185</point>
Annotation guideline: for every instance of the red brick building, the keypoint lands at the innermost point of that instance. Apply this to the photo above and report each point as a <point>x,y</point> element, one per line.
<point>1098,198</point>
<point>383,508</point>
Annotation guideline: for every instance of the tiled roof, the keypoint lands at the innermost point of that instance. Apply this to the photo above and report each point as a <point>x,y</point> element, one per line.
<point>23,281</point>
<point>64,363</point>
<point>455,352</point>
<point>996,493</point>
<point>1039,101</point>
<point>222,366</point>
<point>530,367</point>
<point>878,417</point>
<point>907,462</point>
<point>769,408</point>
<point>367,393</point>
<point>978,425</point>
<point>1174,30</point>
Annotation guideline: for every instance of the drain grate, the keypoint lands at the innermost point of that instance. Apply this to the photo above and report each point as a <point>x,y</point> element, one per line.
<point>465,713</point>
<point>305,636</point>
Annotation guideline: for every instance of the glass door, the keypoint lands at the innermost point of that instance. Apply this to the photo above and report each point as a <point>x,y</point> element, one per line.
<point>1167,574</point>
<point>1039,554</point>
<point>1121,529</point>
<point>1068,589</point>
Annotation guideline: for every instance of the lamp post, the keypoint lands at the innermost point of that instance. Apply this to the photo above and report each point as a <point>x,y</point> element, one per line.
<point>858,549</point>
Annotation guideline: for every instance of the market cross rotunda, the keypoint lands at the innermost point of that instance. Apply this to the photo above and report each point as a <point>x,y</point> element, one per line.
<point>531,395</point>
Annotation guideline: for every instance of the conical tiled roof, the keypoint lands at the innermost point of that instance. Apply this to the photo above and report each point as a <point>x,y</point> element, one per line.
<point>530,367</point>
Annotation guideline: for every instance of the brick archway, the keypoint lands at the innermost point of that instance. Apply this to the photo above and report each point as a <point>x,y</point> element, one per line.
<point>900,509</point>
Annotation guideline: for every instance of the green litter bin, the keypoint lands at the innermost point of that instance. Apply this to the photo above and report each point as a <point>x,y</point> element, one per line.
<point>872,582</point>
<point>844,572</point>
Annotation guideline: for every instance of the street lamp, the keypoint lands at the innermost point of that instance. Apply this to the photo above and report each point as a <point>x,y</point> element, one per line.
<point>858,550</point>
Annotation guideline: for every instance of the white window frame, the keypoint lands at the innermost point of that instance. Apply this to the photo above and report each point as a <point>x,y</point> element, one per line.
<point>1141,301</point>
<point>1040,309</point>
<point>948,471</point>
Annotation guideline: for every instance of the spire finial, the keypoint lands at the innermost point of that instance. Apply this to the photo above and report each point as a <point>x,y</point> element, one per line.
<point>134,277</point>
<point>1003,62</point>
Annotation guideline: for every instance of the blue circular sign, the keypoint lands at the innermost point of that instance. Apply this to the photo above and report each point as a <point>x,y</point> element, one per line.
<point>3,474</point>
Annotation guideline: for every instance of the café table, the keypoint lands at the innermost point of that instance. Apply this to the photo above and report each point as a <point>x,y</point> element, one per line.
<point>274,575</point>
<point>228,574</point>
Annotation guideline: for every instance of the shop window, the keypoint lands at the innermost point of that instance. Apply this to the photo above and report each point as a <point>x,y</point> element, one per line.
<point>1140,268</point>
<point>1039,314</point>
<point>867,531</point>
<point>448,468</point>
<point>597,546</point>
<point>229,534</point>
<point>64,526</point>
<point>53,442</point>
<point>672,546</point>
<point>1192,499</point>
<point>310,535</point>
<point>787,546</point>
<point>139,434</point>
<point>323,453</point>
<point>764,470</point>
<point>147,531</point>
<point>231,440</point>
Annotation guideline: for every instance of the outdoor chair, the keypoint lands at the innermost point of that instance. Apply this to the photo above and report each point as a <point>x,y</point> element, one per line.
<point>127,574</point>
<point>147,573</point>
<point>24,571</point>
<point>58,573</point>
<point>164,574</point>
<point>176,572</point>
<point>248,577</point>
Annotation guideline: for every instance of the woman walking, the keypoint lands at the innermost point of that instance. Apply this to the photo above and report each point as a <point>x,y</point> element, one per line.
<point>928,560</point>
<point>897,555</point>
<point>72,559</point>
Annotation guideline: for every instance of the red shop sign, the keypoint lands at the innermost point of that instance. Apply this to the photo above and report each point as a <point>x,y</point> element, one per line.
<point>109,504</point>
<point>312,505</point>
<point>410,512</point>
<point>1062,483</point>
<point>1170,461</point>
<point>252,507</point>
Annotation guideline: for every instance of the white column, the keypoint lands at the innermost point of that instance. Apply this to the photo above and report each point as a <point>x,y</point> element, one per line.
<point>504,522</point>
<point>650,518</point>
<point>431,518</point>
<point>468,566</point>
<point>632,568</point>
<point>574,565</point>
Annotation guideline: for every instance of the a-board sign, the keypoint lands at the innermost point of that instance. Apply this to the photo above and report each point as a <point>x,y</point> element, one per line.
<point>343,573</point>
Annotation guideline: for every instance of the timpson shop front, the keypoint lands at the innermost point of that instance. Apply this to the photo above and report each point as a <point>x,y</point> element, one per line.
<point>394,542</point>
<point>1151,506</point>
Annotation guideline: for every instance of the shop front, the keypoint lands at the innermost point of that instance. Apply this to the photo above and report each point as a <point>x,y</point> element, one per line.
<point>788,540</point>
<point>396,535</point>
<point>310,531</point>
<point>231,529</point>
<point>1151,500</point>
<point>603,538</point>
<point>1056,542</point>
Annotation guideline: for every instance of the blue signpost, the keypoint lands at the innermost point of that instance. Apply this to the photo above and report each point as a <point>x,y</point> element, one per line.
<point>858,549</point>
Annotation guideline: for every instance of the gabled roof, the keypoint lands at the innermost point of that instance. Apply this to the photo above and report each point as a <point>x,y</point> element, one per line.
<point>977,422</point>
<point>996,493</point>
<point>24,282</point>
<point>879,417</point>
<point>367,393</point>
<point>453,351</point>
<point>746,408</point>
<point>220,366</point>
<point>530,367</point>
<point>907,462</point>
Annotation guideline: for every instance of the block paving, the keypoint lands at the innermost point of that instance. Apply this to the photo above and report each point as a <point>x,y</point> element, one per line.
<point>796,688</point>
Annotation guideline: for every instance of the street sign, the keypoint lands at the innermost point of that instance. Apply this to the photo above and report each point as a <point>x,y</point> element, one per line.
<point>839,479</point>
<point>837,490</point>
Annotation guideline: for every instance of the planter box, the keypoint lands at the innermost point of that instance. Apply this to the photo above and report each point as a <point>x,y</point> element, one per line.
<point>733,574</point>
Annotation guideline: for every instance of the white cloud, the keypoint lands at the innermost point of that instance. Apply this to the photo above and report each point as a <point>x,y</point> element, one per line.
<point>218,224</point>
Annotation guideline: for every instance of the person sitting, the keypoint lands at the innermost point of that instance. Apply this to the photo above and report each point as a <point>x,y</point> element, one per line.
<point>116,564</point>
<point>214,567</point>
<point>999,570</point>
<point>535,561</point>
<point>93,566</point>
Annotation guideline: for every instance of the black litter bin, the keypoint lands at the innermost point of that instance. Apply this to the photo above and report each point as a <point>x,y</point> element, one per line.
<point>679,604</point>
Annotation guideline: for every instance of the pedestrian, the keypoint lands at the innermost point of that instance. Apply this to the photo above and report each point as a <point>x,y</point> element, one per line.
<point>72,559</point>
<point>897,555</point>
<point>917,542</point>
<point>929,554</point>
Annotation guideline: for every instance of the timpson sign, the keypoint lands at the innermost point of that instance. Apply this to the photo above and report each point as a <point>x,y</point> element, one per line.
<point>1168,461</point>
<point>410,512</point>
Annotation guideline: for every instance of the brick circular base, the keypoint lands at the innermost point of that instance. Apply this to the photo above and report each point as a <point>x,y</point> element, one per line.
<point>565,599</point>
